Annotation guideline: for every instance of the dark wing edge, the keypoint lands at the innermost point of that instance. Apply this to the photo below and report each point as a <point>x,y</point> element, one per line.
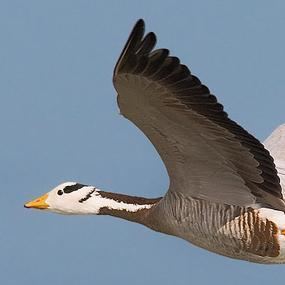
<point>138,57</point>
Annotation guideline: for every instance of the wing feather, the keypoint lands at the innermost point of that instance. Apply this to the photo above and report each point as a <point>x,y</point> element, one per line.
<point>207,155</point>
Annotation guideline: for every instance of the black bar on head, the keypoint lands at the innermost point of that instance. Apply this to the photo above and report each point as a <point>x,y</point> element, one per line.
<point>71,188</point>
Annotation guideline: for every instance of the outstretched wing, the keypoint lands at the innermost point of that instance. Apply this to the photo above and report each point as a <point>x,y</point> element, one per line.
<point>207,155</point>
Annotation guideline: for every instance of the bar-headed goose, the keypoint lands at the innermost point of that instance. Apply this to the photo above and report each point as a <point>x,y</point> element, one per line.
<point>225,193</point>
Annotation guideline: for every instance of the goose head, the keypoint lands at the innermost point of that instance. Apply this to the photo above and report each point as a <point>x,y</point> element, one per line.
<point>68,198</point>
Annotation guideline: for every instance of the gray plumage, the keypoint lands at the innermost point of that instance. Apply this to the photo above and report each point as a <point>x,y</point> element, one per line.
<point>206,154</point>
<point>217,170</point>
<point>225,193</point>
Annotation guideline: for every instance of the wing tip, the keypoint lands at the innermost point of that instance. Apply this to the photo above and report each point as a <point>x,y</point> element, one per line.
<point>139,23</point>
<point>134,39</point>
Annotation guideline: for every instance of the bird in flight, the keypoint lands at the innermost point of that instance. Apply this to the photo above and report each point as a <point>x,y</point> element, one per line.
<point>226,190</point>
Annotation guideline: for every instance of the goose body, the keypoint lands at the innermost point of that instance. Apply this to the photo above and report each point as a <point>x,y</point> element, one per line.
<point>226,189</point>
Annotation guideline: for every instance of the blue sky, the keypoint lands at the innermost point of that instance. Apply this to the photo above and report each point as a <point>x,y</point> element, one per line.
<point>59,122</point>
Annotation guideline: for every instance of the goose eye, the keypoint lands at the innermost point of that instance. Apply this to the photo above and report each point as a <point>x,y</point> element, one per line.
<point>59,192</point>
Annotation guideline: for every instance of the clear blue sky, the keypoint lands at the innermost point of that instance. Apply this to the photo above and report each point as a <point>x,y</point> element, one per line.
<point>59,121</point>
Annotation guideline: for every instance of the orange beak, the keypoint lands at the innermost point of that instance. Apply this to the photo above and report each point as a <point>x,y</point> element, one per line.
<point>39,203</point>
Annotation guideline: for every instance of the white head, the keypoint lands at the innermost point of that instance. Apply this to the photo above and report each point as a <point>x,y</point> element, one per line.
<point>68,198</point>
<point>76,198</point>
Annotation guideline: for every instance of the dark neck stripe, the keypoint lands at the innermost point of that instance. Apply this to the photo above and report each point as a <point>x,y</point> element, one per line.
<point>71,188</point>
<point>128,199</point>
<point>141,216</point>
<point>89,195</point>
